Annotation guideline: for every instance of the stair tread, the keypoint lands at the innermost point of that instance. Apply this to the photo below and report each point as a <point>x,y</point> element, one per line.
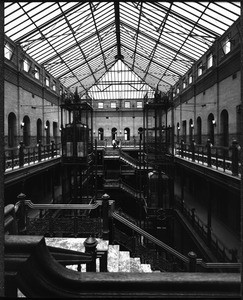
<point>135,265</point>
<point>124,261</point>
<point>113,258</point>
<point>146,268</point>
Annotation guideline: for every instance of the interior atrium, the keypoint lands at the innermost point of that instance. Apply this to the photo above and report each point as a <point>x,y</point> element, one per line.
<point>121,149</point>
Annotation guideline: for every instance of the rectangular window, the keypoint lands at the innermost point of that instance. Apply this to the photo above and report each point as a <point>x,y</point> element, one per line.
<point>47,81</point>
<point>127,104</point>
<point>54,86</point>
<point>184,84</point>
<point>37,72</point>
<point>139,104</point>
<point>177,90</point>
<point>190,78</point>
<point>8,51</point>
<point>226,45</point>
<point>209,60</point>
<point>113,104</point>
<point>199,69</point>
<point>26,65</point>
<point>100,105</point>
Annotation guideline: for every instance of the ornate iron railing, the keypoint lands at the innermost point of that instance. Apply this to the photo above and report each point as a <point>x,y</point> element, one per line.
<point>24,156</point>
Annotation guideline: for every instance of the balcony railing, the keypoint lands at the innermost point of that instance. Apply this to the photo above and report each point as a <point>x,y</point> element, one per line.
<point>226,159</point>
<point>22,156</point>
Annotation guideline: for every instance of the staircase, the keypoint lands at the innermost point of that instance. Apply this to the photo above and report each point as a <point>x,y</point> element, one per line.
<point>120,261</point>
<point>117,260</point>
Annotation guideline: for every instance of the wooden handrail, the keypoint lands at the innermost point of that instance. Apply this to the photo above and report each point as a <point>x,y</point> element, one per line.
<point>42,276</point>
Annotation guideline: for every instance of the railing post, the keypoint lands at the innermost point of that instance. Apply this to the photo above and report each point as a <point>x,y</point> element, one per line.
<point>209,154</point>
<point>22,220</point>
<point>105,213</point>
<point>193,216</point>
<point>193,149</point>
<point>52,148</point>
<point>192,261</point>
<point>90,247</point>
<point>182,148</point>
<point>235,157</point>
<point>21,154</point>
<point>39,150</point>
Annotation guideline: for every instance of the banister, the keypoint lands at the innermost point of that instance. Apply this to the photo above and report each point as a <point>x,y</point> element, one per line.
<point>150,237</point>
<point>61,206</point>
<point>42,276</point>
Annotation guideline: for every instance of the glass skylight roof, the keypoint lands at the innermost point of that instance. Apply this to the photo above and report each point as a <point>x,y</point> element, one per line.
<point>119,49</point>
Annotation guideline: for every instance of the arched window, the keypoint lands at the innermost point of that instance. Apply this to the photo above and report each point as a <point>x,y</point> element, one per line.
<point>39,130</point>
<point>127,134</point>
<point>100,134</point>
<point>199,131</point>
<point>191,127</point>
<point>12,130</point>
<point>47,129</point>
<point>26,130</point>
<point>211,124</point>
<point>224,128</point>
<point>113,133</point>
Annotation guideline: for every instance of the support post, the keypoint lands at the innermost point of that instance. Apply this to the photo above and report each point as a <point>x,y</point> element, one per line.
<point>193,149</point>
<point>39,150</point>
<point>52,148</point>
<point>182,148</point>
<point>235,158</point>
<point>21,154</point>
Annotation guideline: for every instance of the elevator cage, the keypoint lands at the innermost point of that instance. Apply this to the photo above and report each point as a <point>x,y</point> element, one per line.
<point>158,189</point>
<point>157,134</point>
<point>77,132</point>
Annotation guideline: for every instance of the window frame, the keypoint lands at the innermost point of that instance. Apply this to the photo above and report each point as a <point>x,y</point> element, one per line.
<point>113,104</point>
<point>127,104</point>
<point>101,105</point>
<point>8,51</point>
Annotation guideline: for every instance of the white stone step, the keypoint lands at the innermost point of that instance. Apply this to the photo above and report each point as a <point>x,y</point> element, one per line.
<point>113,258</point>
<point>146,268</point>
<point>124,261</point>
<point>135,265</point>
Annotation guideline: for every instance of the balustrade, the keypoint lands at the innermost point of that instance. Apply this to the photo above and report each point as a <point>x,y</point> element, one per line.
<point>226,159</point>
<point>24,156</point>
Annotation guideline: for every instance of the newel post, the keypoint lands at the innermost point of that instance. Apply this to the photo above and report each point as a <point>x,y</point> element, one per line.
<point>90,247</point>
<point>209,154</point>
<point>235,157</point>
<point>192,261</point>
<point>105,214</point>
<point>22,219</point>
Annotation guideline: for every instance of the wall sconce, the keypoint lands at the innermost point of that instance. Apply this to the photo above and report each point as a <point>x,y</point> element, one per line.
<point>46,127</point>
<point>60,128</point>
<point>120,131</point>
<point>22,125</point>
<point>214,122</point>
<point>94,132</point>
<point>178,127</point>
<point>192,126</point>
